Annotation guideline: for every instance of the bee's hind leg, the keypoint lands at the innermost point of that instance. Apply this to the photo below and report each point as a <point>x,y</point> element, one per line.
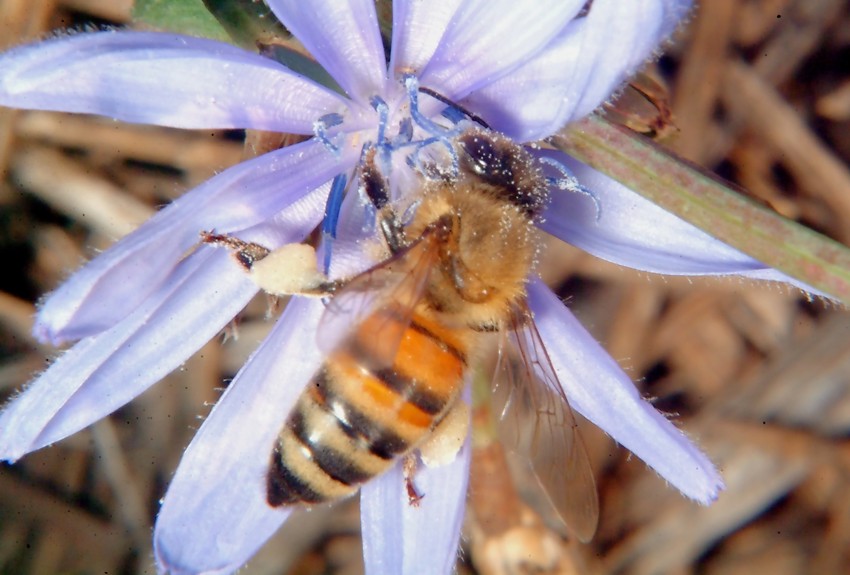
<point>441,448</point>
<point>408,466</point>
<point>445,442</point>
<point>288,270</point>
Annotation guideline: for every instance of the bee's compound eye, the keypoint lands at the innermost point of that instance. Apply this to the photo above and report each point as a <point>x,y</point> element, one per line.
<point>486,158</point>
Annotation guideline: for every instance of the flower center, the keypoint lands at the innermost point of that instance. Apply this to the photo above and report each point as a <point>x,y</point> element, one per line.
<point>405,143</point>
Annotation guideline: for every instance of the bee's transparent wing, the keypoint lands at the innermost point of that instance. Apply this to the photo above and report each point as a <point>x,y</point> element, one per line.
<point>536,421</point>
<point>379,302</point>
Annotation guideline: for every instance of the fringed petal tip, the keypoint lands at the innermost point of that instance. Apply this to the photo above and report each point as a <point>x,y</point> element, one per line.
<point>577,70</point>
<point>699,478</point>
<point>625,228</point>
<point>101,373</point>
<point>44,334</point>
<point>602,392</point>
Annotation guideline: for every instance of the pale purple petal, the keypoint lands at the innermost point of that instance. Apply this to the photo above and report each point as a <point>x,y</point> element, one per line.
<point>487,39</point>
<point>102,373</point>
<point>163,79</point>
<point>578,70</point>
<point>618,38</point>
<point>599,389</point>
<point>538,98</point>
<point>399,539</point>
<point>343,37</point>
<point>673,13</point>
<point>215,516</point>
<point>353,250</point>
<point>634,232</point>
<point>418,28</point>
<point>113,284</point>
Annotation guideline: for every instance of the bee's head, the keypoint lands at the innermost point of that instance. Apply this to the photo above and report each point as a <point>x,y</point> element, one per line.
<point>506,166</point>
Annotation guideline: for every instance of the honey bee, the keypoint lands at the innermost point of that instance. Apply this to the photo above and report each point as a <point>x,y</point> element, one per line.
<point>401,336</point>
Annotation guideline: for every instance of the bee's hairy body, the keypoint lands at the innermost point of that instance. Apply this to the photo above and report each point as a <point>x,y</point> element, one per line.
<point>358,414</point>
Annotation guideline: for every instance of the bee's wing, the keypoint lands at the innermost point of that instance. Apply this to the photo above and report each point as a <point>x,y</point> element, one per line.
<point>536,419</point>
<point>380,301</point>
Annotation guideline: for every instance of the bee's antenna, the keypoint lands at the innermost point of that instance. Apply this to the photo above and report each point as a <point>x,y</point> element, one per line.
<point>454,112</point>
<point>570,183</point>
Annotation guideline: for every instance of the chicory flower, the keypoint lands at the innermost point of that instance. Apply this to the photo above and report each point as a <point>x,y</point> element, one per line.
<point>144,306</point>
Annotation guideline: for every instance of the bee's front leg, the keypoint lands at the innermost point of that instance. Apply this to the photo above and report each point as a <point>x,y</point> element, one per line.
<point>246,253</point>
<point>288,270</point>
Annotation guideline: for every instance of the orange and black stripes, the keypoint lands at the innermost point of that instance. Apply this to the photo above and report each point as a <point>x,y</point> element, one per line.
<point>356,415</point>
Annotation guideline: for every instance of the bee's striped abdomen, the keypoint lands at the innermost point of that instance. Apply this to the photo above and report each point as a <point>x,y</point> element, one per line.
<point>357,416</point>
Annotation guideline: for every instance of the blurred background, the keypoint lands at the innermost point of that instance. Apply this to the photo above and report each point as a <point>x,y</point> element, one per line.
<point>757,374</point>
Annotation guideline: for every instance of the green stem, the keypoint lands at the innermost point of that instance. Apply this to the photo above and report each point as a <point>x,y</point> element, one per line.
<point>704,201</point>
<point>247,22</point>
